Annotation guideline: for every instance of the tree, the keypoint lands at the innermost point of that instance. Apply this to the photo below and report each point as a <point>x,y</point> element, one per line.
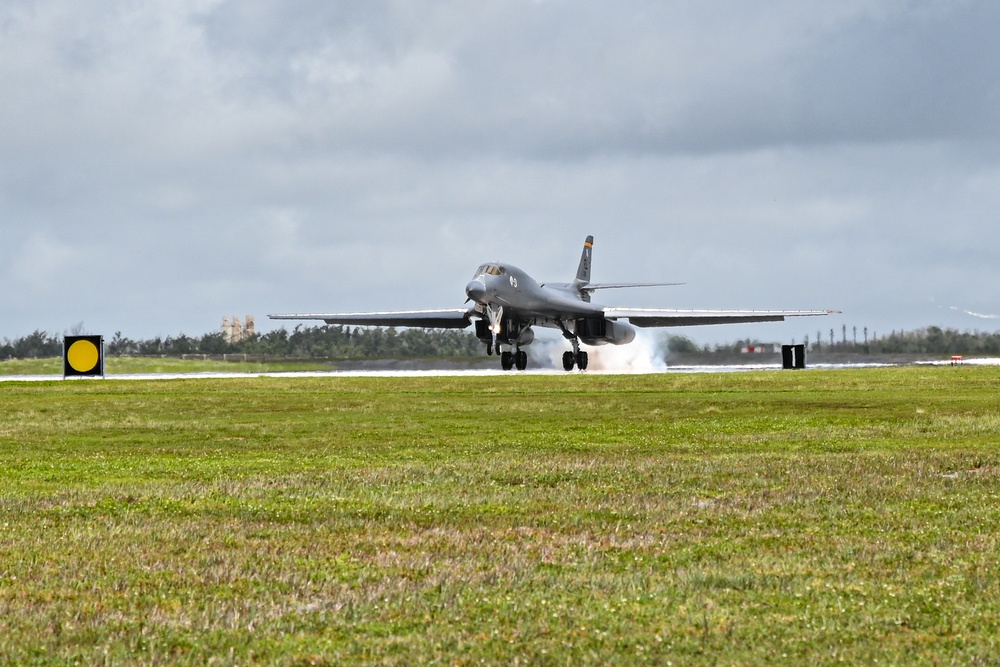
<point>681,344</point>
<point>180,345</point>
<point>35,345</point>
<point>213,343</point>
<point>120,347</point>
<point>151,347</point>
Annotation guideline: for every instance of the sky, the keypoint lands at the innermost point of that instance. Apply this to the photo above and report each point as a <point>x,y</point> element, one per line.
<point>165,164</point>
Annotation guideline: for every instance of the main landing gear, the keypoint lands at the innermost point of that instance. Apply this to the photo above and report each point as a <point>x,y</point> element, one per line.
<point>580,359</point>
<point>577,357</point>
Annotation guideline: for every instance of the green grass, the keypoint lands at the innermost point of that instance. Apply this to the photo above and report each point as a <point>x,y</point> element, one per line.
<point>753,518</point>
<point>139,365</point>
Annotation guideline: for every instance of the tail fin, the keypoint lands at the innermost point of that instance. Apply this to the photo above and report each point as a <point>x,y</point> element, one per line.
<point>583,271</point>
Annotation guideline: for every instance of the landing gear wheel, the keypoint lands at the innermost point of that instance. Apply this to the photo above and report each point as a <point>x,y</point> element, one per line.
<point>506,360</point>
<point>521,360</point>
<point>576,357</point>
<point>569,360</point>
<point>489,349</point>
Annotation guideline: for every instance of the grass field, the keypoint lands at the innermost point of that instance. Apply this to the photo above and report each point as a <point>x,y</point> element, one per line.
<point>812,517</point>
<point>139,365</point>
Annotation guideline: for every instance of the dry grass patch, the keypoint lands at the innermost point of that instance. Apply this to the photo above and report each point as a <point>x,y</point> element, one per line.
<point>747,519</point>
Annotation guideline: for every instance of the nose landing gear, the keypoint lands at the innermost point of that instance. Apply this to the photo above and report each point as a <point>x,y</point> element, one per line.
<point>510,332</point>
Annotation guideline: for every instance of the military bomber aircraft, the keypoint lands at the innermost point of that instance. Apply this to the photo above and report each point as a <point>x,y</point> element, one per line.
<point>506,303</point>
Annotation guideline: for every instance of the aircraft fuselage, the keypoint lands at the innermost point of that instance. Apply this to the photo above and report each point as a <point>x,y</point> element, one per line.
<point>510,300</point>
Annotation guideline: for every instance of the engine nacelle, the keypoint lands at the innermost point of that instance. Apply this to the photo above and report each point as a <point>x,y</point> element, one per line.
<point>601,331</point>
<point>524,337</point>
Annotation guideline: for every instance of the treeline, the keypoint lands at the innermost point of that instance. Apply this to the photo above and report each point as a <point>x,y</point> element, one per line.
<point>321,342</point>
<point>338,342</point>
<point>934,340</point>
<point>930,340</point>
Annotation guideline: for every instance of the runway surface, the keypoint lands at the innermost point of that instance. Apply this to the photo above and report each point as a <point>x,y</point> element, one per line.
<point>487,372</point>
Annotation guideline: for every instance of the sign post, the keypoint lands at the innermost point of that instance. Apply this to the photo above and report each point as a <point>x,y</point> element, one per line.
<point>83,356</point>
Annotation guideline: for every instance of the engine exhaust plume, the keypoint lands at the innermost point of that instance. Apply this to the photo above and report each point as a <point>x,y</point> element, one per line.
<point>643,355</point>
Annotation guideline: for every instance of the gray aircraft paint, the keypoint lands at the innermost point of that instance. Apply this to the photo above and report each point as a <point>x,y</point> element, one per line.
<point>506,302</point>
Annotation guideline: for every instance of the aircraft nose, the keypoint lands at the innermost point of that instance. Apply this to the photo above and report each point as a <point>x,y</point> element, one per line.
<point>476,291</point>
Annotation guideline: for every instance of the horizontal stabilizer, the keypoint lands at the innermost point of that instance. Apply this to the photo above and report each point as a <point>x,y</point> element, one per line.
<point>456,318</point>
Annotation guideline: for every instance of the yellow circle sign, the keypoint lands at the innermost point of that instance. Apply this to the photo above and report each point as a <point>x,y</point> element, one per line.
<point>83,356</point>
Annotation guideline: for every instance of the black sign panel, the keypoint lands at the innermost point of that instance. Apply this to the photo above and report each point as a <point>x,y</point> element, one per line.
<point>83,356</point>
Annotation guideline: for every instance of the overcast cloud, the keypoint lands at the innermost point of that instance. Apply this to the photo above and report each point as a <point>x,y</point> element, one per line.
<point>165,164</point>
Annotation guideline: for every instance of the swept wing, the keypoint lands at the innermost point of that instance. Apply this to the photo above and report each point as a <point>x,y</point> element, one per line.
<point>659,317</point>
<point>596,286</point>
<point>455,318</point>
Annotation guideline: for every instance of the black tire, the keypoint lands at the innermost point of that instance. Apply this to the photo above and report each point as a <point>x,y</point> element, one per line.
<point>568,360</point>
<point>582,360</point>
<point>521,360</point>
<point>506,360</point>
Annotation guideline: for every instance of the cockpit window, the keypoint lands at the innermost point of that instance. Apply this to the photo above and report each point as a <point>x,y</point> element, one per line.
<point>490,269</point>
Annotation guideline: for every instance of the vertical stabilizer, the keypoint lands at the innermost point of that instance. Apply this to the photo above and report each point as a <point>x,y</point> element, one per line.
<point>583,271</point>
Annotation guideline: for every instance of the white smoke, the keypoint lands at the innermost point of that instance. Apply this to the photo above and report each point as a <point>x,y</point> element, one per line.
<point>643,355</point>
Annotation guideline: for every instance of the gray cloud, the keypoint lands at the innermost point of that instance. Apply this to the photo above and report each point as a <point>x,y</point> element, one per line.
<point>194,159</point>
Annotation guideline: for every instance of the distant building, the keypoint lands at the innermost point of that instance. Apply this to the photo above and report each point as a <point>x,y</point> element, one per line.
<point>234,331</point>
